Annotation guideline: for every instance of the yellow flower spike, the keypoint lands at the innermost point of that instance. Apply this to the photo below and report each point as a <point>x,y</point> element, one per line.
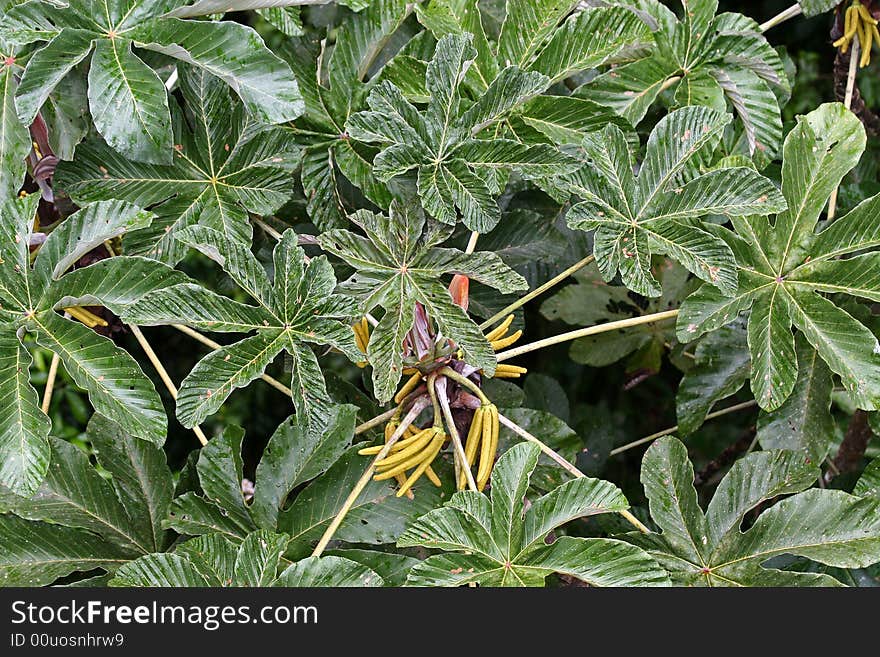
<point>487,454</point>
<point>408,387</point>
<point>418,444</point>
<point>86,317</point>
<point>433,451</point>
<point>866,50</point>
<point>362,338</point>
<point>850,23</point>
<point>505,371</point>
<point>390,428</point>
<point>471,445</point>
<point>486,457</point>
<point>430,474</point>
<point>858,23</point>
<point>500,330</point>
<point>505,342</point>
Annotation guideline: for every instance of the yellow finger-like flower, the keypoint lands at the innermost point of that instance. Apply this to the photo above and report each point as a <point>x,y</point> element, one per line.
<point>505,371</point>
<point>432,452</point>
<point>407,387</point>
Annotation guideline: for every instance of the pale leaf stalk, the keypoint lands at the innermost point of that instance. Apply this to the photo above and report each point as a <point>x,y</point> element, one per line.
<point>584,332</point>
<point>53,374</point>
<point>501,314</point>
<point>50,383</point>
<point>208,342</point>
<point>781,17</point>
<point>668,82</point>
<point>847,102</point>
<point>418,406</point>
<point>472,242</point>
<point>266,227</point>
<point>376,421</point>
<point>163,374</point>
<point>566,465</point>
<point>670,430</point>
<point>460,456</point>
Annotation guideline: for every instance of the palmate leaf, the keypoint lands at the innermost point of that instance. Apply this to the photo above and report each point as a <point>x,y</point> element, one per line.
<point>709,549</point>
<point>657,211</point>
<point>439,143</point>
<point>221,507</point>
<point>31,299</point>
<point>214,561</point>
<point>803,423</point>
<point>496,541</point>
<point>586,39</point>
<point>79,520</point>
<point>378,517</point>
<point>294,456</point>
<point>785,268</point>
<point>15,141</point>
<point>543,36</point>
<point>721,367</point>
<point>126,97</point>
<point>708,58</point>
<point>398,264</point>
<point>225,165</point>
<point>299,309</point>
<point>329,156</point>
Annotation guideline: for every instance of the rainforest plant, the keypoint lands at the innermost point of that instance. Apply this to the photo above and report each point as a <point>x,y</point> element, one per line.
<point>337,245</point>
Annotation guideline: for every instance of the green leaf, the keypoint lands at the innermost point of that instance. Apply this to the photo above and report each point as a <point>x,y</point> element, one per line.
<point>328,571</point>
<point>668,478</point>
<point>527,24</point>
<point>83,517</point>
<point>116,385</point>
<point>45,69</point>
<point>299,309</point>
<point>140,477</point>
<point>15,141</point>
<point>331,161</point>
<point>398,265</point>
<point>128,103</point>
<point>827,526</point>
<point>127,99</point>
<point>630,89</point>
<point>780,276</point>
<point>159,570</point>
<point>566,119</point>
<point>709,58</point>
<point>225,165</point>
<point>75,495</point>
<point>803,423</point>
<point>115,382</point>
<point>377,517</point>
<point>869,483</point>
<point>234,53</point>
<point>214,561</point>
<point>439,142</point>
<point>721,366</point>
<point>24,449</point>
<point>497,541</point>
<point>815,7</point>
<point>655,212</point>
<point>390,566</point>
<point>37,553</point>
<point>295,455</point>
<point>588,39</point>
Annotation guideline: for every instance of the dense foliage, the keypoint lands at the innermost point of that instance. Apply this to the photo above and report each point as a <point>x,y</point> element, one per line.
<point>479,254</point>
